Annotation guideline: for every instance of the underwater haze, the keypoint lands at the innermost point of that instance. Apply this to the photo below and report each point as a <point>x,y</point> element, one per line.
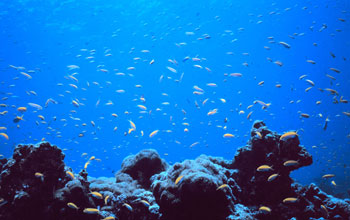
<point>110,78</point>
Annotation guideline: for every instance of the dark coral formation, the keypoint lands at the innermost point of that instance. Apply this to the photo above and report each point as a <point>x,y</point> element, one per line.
<point>196,197</point>
<point>35,185</point>
<point>143,166</point>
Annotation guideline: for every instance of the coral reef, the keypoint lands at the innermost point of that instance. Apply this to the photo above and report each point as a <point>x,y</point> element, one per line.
<point>256,184</point>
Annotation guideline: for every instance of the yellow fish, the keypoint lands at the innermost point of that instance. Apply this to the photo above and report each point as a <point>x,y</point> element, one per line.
<point>289,163</point>
<point>265,209</point>
<point>97,195</point>
<point>290,200</point>
<point>272,177</point>
<point>228,135</point>
<point>106,199</point>
<point>288,135</point>
<point>132,124</point>
<point>326,176</point>
<point>128,206</point>
<point>145,203</point>
<point>91,211</point>
<point>70,174</point>
<point>153,133</point>
<point>177,181</point>
<point>4,135</point>
<point>222,186</point>
<point>72,205</point>
<point>264,168</point>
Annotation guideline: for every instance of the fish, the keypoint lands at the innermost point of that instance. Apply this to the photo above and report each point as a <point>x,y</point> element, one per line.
<point>212,84</point>
<point>197,93</point>
<point>198,88</point>
<point>86,165</point>
<point>311,61</point>
<point>331,77</point>
<point>279,63</point>
<point>147,204</point>
<point>37,174</point>
<point>284,44</point>
<point>73,67</point>
<point>5,136</point>
<point>212,112</point>
<point>91,211</point>
<point>153,133</point>
<point>272,177</point>
<point>346,113</point>
<point>307,89</point>
<point>50,100</point>
<point>132,124</point>
<point>142,107</point>
<point>265,209</point>
<point>36,106</point>
<point>26,75</point>
<point>258,134</point>
<point>335,70</point>
<point>341,100</point>
<point>97,195</point>
<point>171,69</point>
<point>75,103</point>
<point>327,176</point>
<point>236,74</point>
<point>178,180</point>
<point>264,168</point>
<point>70,174</point>
<point>302,77</point>
<point>223,186</point>
<point>290,200</point>
<point>72,205</point>
<point>264,105</point>
<point>22,109</point>
<point>128,206</point>
<point>304,115</point>
<point>106,199</point>
<point>326,124</point>
<point>249,114</point>
<point>228,135</point>
<point>332,91</point>
<point>194,144</point>
<point>324,211</point>
<point>289,163</point>
<point>18,119</point>
<point>109,218</point>
<point>287,135</point>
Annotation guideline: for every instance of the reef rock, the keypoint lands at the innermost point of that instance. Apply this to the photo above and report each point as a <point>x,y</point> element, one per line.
<point>28,181</point>
<point>143,166</point>
<point>36,184</point>
<point>196,194</point>
<point>266,148</point>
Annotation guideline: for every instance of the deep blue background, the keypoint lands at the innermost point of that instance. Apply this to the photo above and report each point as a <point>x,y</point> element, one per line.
<point>46,36</point>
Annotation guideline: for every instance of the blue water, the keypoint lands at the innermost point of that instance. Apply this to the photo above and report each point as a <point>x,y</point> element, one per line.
<point>42,38</point>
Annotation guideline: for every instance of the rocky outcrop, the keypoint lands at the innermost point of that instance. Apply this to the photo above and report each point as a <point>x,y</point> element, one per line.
<point>36,184</point>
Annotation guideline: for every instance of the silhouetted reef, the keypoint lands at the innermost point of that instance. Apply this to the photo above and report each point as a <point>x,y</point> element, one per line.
<point>36,184</point>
